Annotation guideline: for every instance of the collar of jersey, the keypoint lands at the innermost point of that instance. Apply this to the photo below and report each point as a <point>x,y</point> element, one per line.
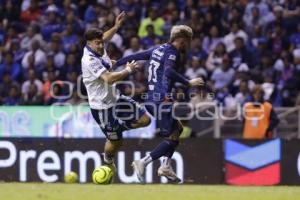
<point>92,51</point>
<point>172,46</point>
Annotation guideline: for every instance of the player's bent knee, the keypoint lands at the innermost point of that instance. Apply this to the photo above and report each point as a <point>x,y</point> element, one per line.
<point>174,136</point>
<point>145,120</point>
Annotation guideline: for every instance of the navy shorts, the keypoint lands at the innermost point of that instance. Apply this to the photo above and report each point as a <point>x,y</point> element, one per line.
<point>115,120</point>
<point>165,122</point>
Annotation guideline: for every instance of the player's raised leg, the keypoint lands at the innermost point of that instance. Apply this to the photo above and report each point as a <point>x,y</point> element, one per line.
<point>131,115</point>
<point>143,121</point>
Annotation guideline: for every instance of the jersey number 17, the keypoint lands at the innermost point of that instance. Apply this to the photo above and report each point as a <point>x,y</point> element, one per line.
<point>152,71</point>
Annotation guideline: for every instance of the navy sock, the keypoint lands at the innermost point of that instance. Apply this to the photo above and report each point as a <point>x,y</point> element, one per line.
<point>163,148</point>
<point>171,151</point>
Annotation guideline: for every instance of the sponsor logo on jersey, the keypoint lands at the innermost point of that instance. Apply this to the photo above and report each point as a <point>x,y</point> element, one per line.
<point>95,67</point>
<point>172,57</point>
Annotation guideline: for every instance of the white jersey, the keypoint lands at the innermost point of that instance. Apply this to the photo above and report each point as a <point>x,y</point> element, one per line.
<point>100,94</point>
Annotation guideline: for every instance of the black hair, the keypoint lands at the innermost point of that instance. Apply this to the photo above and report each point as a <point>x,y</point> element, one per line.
<point>92,34</point>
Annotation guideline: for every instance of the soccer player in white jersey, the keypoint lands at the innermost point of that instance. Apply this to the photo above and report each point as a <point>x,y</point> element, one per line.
<point>105,101</point>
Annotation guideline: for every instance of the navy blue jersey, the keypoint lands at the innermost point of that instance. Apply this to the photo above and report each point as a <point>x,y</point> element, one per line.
<point>159,84</point>
<point>163,63</point>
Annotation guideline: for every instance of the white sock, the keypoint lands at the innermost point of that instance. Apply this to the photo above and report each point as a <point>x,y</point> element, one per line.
<point>147,159</point>
<point>166,161</point>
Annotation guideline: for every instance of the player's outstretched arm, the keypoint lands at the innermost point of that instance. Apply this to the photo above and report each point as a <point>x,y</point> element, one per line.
<point>144,55</point>
<point>176,77</point>
<point>171,73</point>
<point>118,22</point>
<point>170,66</point>
<point>112,77</point>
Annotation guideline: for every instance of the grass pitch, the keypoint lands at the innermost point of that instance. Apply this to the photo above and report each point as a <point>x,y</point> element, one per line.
<point>43,191</point>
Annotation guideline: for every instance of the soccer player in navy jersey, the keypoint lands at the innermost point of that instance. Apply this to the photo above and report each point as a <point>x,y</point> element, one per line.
<point>164,62</point>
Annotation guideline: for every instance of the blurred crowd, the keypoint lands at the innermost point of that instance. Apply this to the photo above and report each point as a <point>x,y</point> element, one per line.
<point>237,44</point>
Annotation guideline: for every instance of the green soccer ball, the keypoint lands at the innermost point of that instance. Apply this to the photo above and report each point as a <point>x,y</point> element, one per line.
<point>71,177</point>
<point>102,175</point>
